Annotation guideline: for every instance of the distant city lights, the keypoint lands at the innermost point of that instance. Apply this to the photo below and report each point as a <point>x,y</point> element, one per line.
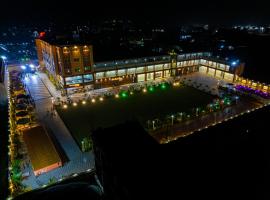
<point>23,67</point>
<point>4,58</point>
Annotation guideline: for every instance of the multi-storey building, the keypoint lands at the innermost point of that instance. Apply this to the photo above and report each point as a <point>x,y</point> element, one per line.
<point>73,66</point>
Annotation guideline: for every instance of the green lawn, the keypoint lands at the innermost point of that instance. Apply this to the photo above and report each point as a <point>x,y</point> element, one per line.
<point>144,106</point>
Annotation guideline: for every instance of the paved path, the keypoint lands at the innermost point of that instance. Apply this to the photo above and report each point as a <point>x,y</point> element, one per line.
<point>188,127</point>
<point>78,161</point>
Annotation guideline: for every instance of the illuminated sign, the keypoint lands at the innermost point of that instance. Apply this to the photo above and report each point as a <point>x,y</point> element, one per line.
<point>42,34</point>
<point>75,85</point>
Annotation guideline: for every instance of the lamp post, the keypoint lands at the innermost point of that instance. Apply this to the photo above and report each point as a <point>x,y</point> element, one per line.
<point>172,116</point>
<point>153,122</point>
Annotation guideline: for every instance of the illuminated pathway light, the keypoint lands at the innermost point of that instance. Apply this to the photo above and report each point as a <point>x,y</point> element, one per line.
<point>83,102</point>
<point>151,88</point>
<point>116,96</point>
<point>163,86</point>
<point>144,90</point>
<point>65,106</point>
<point>74,104</point>
<point>101,98</point>
<point>124,94</point>
<point>93,100</point>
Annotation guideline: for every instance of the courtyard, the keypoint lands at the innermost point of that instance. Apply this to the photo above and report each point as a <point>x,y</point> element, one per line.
<point>155,102</point>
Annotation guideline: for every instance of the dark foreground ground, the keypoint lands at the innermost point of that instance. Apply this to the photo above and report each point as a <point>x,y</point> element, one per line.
<point>229,161</point>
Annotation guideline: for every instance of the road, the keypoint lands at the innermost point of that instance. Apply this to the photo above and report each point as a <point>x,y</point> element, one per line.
<point>77,160</point>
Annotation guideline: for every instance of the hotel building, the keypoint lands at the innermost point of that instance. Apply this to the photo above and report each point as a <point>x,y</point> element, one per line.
<point>73,66</point>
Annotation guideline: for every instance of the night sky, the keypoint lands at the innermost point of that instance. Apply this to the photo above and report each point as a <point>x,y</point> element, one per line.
<point>207,11</point>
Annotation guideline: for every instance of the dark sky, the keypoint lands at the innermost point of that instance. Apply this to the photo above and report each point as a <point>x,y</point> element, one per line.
<point>206,11</point>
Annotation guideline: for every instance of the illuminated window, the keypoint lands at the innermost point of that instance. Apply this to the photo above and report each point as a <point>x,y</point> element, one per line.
<point>88,77</point>
<point>166,66</point>
<point>158,67</point>
<point>150,68</point>
<point>77,69</point>
<point>87,68</point>
<point>140,69</point>
<point>121,72</point>
<point>196,62</point>
<point>73,80</point>
<point>158,75</point>
<point>110,73</point>
<point>131,71</point>
<point>99,75</point>
<point>203,62</point>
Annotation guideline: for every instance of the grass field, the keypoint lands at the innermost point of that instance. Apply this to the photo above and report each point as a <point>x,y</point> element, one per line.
<point>81,119</point>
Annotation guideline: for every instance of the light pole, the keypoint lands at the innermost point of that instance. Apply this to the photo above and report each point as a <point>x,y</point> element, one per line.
<point>172,116</point>
<point>197,110</point>
<point>153,122</point>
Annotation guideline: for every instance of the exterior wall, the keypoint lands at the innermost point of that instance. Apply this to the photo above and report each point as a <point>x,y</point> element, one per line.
<point>48,168</point>
<point>39,52</point>
<point>62,62</point>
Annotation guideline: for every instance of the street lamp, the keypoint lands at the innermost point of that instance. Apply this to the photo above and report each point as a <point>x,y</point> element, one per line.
<point>4,58</point>
<point>153,122</point>
<point>172,116</point>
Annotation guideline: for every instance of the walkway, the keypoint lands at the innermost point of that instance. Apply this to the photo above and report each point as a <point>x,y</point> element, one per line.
<point>188,127</point>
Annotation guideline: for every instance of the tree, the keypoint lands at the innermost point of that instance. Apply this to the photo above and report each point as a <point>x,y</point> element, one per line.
<point>86,144</point>
<point>52,180</point>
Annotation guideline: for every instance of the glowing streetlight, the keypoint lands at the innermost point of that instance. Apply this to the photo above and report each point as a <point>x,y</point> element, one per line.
<point>74,104</point>
<point>116,96</point>
<point>4,58</point>
<point>144,90</point>
<point>84,102</point>
<point>172,116</point>
<point>153,123</point>
<point>93,100</point>
<point>23,67</point>
<point>65,106</point>
<point>101,98</point>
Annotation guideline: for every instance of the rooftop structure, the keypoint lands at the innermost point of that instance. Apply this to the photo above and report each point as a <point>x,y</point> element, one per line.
<point>41,150</point>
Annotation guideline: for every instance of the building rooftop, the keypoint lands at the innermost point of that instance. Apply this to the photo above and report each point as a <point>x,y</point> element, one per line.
<point>147,60</point>
<point>40,147</point>
<point>65,41</point>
